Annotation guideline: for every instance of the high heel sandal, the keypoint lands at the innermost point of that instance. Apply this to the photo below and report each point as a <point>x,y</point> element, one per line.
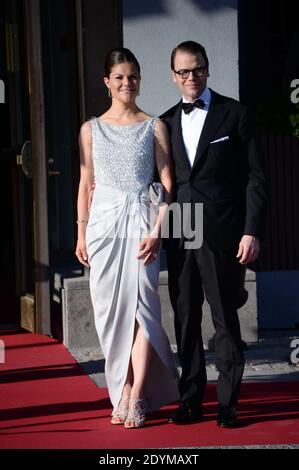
<point>136,414</point>
<point>119,416</point>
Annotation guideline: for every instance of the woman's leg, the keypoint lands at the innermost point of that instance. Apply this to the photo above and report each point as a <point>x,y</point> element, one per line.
<point>129,381</point>
<point>141,355</point>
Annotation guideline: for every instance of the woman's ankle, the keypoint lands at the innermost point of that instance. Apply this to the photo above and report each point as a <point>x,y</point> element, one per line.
<point>137,392</point>
<point>127,390</point>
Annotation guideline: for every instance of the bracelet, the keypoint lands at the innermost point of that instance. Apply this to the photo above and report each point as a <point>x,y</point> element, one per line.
<point>82,221</point>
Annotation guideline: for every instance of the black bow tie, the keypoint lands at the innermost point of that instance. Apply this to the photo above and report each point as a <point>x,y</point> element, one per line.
<point>188,107</point>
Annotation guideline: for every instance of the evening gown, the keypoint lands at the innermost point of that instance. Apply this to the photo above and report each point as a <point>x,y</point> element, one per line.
<point>123,289</point>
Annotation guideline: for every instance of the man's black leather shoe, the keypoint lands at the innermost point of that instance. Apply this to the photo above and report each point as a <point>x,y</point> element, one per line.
<point>186,413</point>
<point>227,416</point>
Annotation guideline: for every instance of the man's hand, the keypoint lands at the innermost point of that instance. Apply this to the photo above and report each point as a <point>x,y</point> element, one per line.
<point>249,249</point>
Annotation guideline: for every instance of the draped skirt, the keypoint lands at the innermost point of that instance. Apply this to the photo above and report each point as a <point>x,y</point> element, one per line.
<point>125,291</point>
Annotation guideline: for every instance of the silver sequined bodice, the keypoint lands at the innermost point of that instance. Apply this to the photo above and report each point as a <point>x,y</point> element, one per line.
<point>123,156</point>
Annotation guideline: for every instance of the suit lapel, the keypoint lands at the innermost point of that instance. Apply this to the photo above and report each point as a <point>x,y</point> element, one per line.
<point>214,119</point>
<point>177,137</point>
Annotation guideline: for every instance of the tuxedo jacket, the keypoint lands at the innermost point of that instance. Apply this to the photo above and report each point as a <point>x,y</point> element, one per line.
<point>227,174</point>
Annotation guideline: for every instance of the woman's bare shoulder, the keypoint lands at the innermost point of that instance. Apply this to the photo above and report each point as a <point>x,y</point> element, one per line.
<point>85,131</point>
<point>160,128</point>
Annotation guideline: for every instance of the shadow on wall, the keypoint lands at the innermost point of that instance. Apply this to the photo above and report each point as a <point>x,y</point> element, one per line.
<point>133,8</point>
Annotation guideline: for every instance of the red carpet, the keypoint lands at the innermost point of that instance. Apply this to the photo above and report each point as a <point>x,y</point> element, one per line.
<point>48,402</point>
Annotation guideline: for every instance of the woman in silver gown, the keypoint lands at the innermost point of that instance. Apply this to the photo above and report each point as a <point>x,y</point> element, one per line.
<point>119,238</point>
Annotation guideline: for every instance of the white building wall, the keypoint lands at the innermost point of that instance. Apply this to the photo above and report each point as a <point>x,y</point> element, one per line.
<point>153,28</point>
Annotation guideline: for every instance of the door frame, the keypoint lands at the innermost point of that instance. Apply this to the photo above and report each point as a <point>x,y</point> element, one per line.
<point>39,169</point>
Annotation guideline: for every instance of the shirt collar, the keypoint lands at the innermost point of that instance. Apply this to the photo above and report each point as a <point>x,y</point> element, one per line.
<point>205,96</point>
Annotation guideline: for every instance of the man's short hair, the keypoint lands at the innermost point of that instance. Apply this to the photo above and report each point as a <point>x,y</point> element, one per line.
<point>193,48</point>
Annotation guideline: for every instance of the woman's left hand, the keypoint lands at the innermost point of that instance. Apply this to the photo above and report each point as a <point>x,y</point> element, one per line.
<point>149,248</point>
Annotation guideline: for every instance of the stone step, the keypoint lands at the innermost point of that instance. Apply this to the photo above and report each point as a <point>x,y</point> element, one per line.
<point>78,321</point>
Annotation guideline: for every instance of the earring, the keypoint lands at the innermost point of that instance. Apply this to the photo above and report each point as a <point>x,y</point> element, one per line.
<point>109,92</point>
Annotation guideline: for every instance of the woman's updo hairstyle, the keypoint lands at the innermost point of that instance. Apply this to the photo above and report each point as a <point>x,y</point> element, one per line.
<point>119,55</point>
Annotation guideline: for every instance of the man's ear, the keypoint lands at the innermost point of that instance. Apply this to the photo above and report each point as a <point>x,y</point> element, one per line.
<point>174,79</point>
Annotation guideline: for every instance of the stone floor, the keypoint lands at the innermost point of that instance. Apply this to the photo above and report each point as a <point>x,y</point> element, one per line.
<point>268,359</point>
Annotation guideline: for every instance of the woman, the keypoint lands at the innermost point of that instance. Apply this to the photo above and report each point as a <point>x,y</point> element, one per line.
<point>119,152</point>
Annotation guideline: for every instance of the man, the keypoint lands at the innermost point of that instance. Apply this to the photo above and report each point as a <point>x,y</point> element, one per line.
<point>216,161</point>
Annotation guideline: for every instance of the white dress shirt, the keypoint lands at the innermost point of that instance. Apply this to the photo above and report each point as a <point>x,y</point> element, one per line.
<point>192,125</point>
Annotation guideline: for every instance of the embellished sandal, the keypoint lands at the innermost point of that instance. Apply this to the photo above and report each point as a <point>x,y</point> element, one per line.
<point>119,416</point>
<point>136,414</point>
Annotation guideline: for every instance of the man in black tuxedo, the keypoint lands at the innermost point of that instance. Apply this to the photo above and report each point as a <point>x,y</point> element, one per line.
<point>216,159</point>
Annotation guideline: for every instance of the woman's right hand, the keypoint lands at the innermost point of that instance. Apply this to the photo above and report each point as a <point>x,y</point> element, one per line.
<point>81,252</point>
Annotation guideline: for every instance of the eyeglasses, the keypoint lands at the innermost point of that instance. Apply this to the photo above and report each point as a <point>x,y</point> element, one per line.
<point>197,72</point>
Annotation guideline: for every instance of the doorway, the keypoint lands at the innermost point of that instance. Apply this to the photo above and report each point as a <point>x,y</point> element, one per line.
<point>51,63</point>
<point>16,273</point>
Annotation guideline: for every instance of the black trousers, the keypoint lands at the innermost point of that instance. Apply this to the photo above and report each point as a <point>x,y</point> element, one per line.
<point>219,276</point>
